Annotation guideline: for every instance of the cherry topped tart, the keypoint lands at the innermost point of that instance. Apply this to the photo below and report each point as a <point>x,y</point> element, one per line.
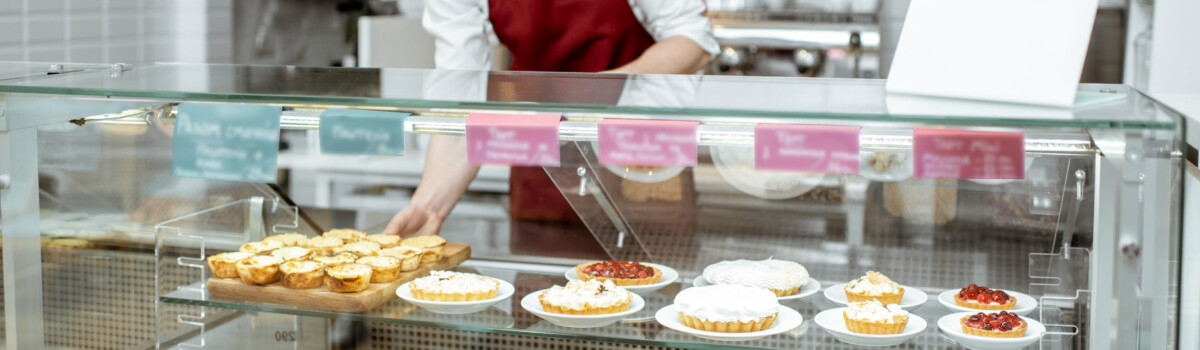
<point>621,273</point>
<point>1001,324</point>
<point>983,298</point>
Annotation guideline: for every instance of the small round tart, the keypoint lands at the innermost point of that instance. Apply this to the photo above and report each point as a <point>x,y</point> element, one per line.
<point>727,308</point>
<point>994,325</point>
<point>581,297</point>
<point>454,286</point>
<point>346,234</point>
<point>874,286</point>
<point>360,248</point>
<point>324,245</point>
<point>984,298</point>
<point>292,253</point>
<point>385,241</point>
<point>782,277</point>
<point>301,274</point>
<point>621,273</point>
<point>224,265</point>
<point>261,248</point>
<point>336,259</point>
<point>383,268</point>
<point>872,317</point>
<point>431,247</point>
<point>410,257</point>
<point>348,278</point>
<point>259,269</point>
<point>289,239</point>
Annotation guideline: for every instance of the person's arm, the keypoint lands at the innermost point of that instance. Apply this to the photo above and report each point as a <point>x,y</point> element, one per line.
<point>446,177</point>
<point>675,55</point>
<point>685,41</point>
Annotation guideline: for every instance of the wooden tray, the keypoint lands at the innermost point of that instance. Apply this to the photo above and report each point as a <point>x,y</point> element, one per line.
<point>322,298</point>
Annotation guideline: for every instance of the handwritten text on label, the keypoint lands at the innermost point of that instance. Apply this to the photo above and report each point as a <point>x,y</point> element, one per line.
<point>966,154</point>
<point>513,139</point>
<point>811,148</point>
<point>647,142</point>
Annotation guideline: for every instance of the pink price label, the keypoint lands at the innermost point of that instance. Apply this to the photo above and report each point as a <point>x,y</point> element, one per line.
<point>811,148</point>
<point>647,142</point>
<point>513,139</point>
<point>964,154</point>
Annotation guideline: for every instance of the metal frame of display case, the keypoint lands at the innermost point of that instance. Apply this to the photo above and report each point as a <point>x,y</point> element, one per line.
<point>1135,173</point>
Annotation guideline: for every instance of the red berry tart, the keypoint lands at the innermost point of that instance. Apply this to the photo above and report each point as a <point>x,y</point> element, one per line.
<point>621,273</point>
<point>995,325</point>
<point>982,298</point>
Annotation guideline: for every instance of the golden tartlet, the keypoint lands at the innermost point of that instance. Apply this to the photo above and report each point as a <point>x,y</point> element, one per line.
<point>873,317</point>
<point>631,279</point>
<point>383,268</point>
<point>431,247</point>
<point>261,248</point>
<point>1016,331</point>
<point>293,253</point>
<point>348,278</point>
<point>454,286</point>
<point>346,234</point>
<point>335,259</point>
<point>872,278</point>
<point>259,269</point>
<point>324,245</point>
<point>385,241</point>
<point>224,265</point>
<point>410,258</point>
<point>597,297</point>
<point>289,239</point>
<point>360,248</point>
<point>300,274</point>
<point>727,327</point>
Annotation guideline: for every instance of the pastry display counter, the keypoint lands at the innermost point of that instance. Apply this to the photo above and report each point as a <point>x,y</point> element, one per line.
<point>1068,213</point>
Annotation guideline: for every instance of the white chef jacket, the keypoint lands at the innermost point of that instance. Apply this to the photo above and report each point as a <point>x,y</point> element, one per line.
<point>461,28</point>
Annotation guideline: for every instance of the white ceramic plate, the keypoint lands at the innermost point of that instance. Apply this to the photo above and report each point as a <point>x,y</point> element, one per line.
<point>669,276</point>
<point>810,288</point>
<point>833,322</point>
<point>1025,303</point>
<point>456,307</point>
<point>736,165</point>
<point>952,328</point>
<point>530,303</point>
<point>912,297</point>
<point>787,320</point>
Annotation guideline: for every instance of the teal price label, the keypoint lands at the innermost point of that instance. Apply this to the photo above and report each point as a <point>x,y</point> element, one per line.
<point>357,131</point>
<point>230,142</point>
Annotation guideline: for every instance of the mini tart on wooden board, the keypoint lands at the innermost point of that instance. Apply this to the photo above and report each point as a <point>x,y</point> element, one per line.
<point>289,239</point>
<point>346,234</point>
<point>335,259</point>
<point>299,274</point>
<point>628,268</point>
<point>1016,330</point>
<point>293,253</point>
<point>383,268</point>
<point>324,245</point>
<point>360,248</point>
<point>259,269</point>
<point>410,258</point>
<point>261,248</point>
<point>224,265</point>
<point>348,278</point>
<point>984,298</point>
<point>431,247</point>
<point>385,240</point>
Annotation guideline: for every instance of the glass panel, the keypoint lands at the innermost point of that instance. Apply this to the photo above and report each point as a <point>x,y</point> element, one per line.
<point>689,97</point>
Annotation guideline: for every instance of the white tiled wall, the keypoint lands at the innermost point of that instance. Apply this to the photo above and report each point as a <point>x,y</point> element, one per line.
<point>131,31</point>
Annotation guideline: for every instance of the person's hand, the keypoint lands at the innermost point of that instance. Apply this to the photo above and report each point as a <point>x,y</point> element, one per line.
<point>414,220</point>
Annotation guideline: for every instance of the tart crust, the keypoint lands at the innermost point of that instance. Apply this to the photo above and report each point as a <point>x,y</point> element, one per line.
<point>259,270</point>
<point>431,247</point>
<point>383,268</point>
<point>323,245</point>
<point>1012,303</point>
<point>727,327</point>
<point>868,327</point>
<point>622,306</point>
<point>619,281</point>
<point>224,265</point>
<point>302,274</point>
<point>385,240</point>
<point>410,257</point>
<point>348,278</point>
<point>1014,333</point>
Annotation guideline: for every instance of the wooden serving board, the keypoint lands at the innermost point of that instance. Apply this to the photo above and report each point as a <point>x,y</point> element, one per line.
<point>324,299</point>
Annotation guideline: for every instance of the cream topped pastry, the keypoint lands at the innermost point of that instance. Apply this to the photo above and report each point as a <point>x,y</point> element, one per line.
<point>454,286</point>
<point>581,295</point>
<point>727,303</point>
<point>874,286</point>
<point>780,276</point>
<point>873,317</point>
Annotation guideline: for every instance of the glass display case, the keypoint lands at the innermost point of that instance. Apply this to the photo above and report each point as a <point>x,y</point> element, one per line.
<point>1076,212</point>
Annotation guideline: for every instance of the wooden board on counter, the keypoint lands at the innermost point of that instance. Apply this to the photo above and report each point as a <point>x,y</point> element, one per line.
<point>324,299</point>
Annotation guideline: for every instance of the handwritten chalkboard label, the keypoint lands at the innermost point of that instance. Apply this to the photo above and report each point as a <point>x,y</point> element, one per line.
<point>357,131</point>
<point>229,142</point>
<point>968,154</point>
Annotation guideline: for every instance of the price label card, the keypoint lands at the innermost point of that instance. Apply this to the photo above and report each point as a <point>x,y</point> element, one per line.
<point>965,154</point>
<point>811,148</point>
<point>647,142</point>
<point>230,142</point>
<point>513,139</point>
<point>357,131</point>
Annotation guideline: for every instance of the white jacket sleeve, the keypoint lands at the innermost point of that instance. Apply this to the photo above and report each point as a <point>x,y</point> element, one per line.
<point>460,34</point>
<point>686,18</point>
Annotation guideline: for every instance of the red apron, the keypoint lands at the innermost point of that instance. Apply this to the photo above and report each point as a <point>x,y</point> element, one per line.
<point>560,36</point>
